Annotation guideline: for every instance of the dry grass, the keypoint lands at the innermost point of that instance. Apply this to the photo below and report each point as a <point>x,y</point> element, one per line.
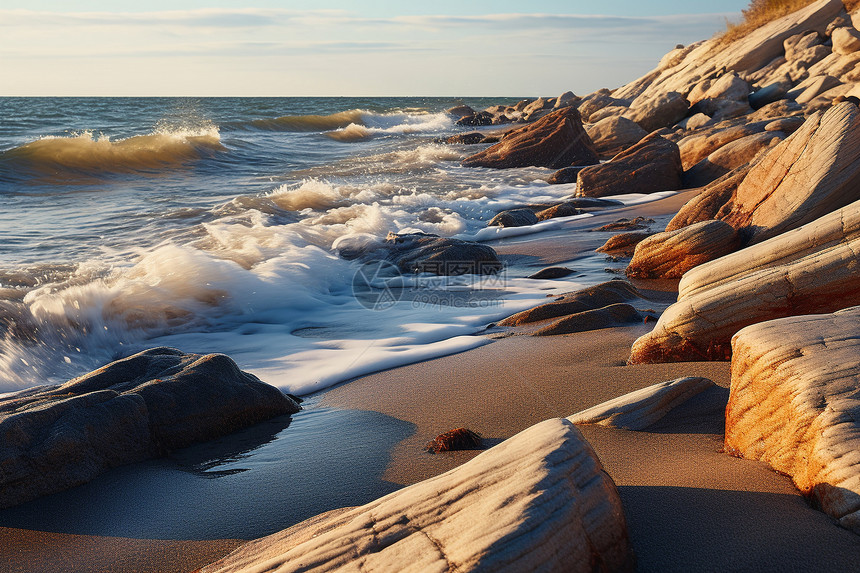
<point>761,12</point>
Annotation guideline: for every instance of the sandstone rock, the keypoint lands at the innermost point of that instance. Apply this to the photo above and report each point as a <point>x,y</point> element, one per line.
<point>608,111</point>
<point>812,87</point>
<point>812,172</point>
<point>425,253</point>
<point>661,111</point>
<point>785,124</point>
<point>768,94</point>
<point>729,157</point>
<point>838,22</point>
<point>613,135</point>
<point>698,146</point>
<point>641,408</point>
<point>550,273</point>
<point>812,269</point>
<point>538,104</point>
<point>626,224</point>
<point>56,437</point>
<point>728,87</point>
<point>593,103</point>
<point>564,175</point>
<point>617,314</point>
<point>555,141</point>
<point>836,65</point>
<point>671,254</point>
<point>539,501</point>
<point>514,218</point>
<point>653,164</point>
<point>721,109</point>
<point>829,98</point>
<point>713,197</point>
<point>625,243</point>
<point>694,122</point>
<point>566,209</point>
<point>795,404</point>
<point>845,40</point>
<point>566,99</point>
<point>591,298</point>
<point>781,108</point>
<point>799,42</point>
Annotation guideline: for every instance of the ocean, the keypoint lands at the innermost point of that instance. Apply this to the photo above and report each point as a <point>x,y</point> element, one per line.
<point>214,225</point>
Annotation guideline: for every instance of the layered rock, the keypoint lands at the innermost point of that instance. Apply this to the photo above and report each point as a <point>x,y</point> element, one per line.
<point>618,314</point>
<point>653,164</point>
<point>729,157</point>
<point>596,297</point>
<point>56,437</point>
<point>712,198</point>
<point>623,243</point>
<point>795,404</point>
<point>812,269</point>
<point>673,253</point>
<point>555,141</point>
<point>538,501</point>
<point>641,408</point>
<point>614,134</point>
<point>663,110</point>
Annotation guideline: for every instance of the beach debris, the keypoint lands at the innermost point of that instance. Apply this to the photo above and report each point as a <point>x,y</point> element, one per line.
<point>795,404</point>
<point>669,255</point>
<point>557,140</point>
<point>653,164</point>
<point>539,501</point>
<point>56,437</point>
<point>457,439</point>
<point>626,224</point>
<point>641,408</point>
<point>813,269</point>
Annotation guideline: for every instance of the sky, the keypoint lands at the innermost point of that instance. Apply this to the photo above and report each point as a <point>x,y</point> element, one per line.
<point>341,48</point>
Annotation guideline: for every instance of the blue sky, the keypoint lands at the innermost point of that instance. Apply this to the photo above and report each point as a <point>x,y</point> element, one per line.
<point>440,47</point>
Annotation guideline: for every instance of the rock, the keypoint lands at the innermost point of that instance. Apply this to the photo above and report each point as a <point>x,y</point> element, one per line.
<point>812,269</point>
<point>722,109</point>
<point>460,111</point>
<point>593,103</point>
<point>795,404</point>
<point>829,98</point>
<point>812,87</point>
<point>624,242</point>
<point>591,298</point>
<point>837,65</point>
<point>608,111</point>
<point>813,172</point>
<point>612,315</point>
<point>56,437</point>
<point>694,122</point>
<point>729,157</point>
<point>592,203</point>
<point>613,135</point>
<point>626,224</point>
<point>564,175</point>
<point>466,138</point>
<point>728,87</point>
<point>514,218</point>
<point>425,253</point>
<point>698,146</point>
<point>480,118</point>
<point>653,164</point>
<point>785,124</point>
<point>781,108</point>
<point>768,94</point>
<point>550,273</point>
<point>537,105</point>
<point>566,99</point>
<point>566,209</point>
<point>838,22</point>
<point>845,40</point>
<point>539,501</point>
<point>641,408</point>
<point>797,44</point>
<point>670,254</point>
<point>661,111</point>
<point>713,197</point>
<point>555,141</point>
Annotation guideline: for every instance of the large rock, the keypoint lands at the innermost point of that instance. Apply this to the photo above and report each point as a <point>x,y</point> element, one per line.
<point>555,141</point>
<point>540,501</point>
<point>56,437</point>
<point>845,40</point>
<point>795,404</point>
<point>425,253</point>
<point>813,172</point>
<point>641,408</point>
<point>812,87</point>
<point>812,269</point>
<point>660,111</point>
<point>598,100</point>
<point>613,135</point>
<point>729,157</point>
<point>712,198</point>
<point>653,164</point>
<point>671,254</point>
<point>697,146</point>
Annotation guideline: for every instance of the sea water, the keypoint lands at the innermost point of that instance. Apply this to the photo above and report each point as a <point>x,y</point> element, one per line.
<point>213,225</point>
